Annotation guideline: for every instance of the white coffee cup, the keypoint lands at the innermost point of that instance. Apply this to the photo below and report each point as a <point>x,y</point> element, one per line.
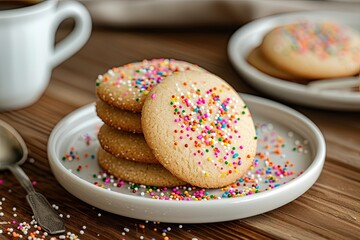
<point>27,48</point>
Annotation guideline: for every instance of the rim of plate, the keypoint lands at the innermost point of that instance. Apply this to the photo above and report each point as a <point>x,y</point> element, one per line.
<point>268,83</point>
<point>315,166</point>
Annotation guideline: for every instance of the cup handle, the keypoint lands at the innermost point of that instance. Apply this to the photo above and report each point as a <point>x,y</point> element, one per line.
<point>78,37</point>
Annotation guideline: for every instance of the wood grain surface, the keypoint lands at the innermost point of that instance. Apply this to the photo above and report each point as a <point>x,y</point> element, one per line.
<point>329,210</point>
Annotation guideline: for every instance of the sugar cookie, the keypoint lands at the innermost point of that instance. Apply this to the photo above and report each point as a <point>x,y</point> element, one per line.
<point>119,119</point>
<point>313,50</point>
<point>199,129</point>
<point>141,173</point>
<point>125,145</point>
<point>126,87</point>
<point>257,60</point>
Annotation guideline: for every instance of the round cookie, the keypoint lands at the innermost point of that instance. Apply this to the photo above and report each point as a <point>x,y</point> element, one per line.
<point>141,173</point>
<point>257,60</point>
<point>119,119</point>
<point>313,50</point>
<point>199,129</point>
<point>125,145</point>
<point>126,87</point>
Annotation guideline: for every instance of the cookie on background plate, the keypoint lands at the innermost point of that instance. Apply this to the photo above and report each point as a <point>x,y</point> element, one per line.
<point>258,60</point>
<point>313,50</point>
<point>140,173</point>
<point>119,119</point>
<point>126,145</point>
<point>126,87</point>
<point>199,129</point>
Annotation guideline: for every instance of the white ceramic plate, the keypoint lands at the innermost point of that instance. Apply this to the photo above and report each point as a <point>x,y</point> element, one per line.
<point>250,36</point>
<point>300,142</point>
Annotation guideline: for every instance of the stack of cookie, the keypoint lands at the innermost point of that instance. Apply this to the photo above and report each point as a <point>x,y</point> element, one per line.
<point>306,51</point>
<point>170,123</point>
<point>121,94</point>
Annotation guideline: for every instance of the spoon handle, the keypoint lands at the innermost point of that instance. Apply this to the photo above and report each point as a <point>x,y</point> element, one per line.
<point>44,214</point>
<point>22,178</point>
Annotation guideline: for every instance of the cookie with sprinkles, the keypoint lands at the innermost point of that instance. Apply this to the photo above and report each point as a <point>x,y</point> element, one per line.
<point>141,173</point>
<point>126,87</point>
<point>314,50</point>
<point>119,119</point>
<point>199,129</point>
<point>126,145</point>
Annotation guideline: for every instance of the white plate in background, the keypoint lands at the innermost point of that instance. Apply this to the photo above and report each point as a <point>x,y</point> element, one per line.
<point>301,143</point>
<point>250,36</point>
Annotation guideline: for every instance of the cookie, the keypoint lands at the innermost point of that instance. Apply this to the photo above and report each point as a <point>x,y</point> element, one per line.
<point>199,129</point>
<point>125,145</point>
<point>257,60</point>
<point>126,87</point>
<point>313,50</point>
<point>141,173</point>
<point>119,119</point>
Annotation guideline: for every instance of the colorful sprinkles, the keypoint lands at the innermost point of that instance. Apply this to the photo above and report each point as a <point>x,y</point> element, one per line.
<point>210,122</point>
<point>143,77</point>
<point>322,38</point>
<point>13,228</point>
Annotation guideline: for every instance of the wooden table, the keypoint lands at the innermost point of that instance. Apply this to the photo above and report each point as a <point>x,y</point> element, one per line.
<point>330,209</point>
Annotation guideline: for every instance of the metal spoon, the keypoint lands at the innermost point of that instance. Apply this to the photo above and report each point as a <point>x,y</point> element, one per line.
<point>13,152</point>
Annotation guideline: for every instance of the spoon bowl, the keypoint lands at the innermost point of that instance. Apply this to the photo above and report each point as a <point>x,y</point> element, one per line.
<point>13,149</point>
<point>13,152</point>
